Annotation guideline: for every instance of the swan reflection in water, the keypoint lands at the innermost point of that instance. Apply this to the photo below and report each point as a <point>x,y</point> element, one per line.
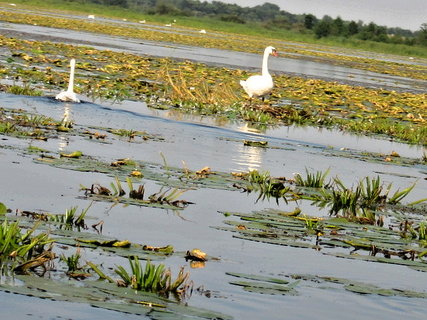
<point>246,157</point>
<point>66,119</point>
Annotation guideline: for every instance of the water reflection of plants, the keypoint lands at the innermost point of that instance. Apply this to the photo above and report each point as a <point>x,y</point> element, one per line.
<point>330,235</point>
<point>362,202</point>
<point>26,253</point>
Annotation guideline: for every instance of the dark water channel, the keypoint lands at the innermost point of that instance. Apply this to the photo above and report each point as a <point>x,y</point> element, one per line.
<point>207,142</point>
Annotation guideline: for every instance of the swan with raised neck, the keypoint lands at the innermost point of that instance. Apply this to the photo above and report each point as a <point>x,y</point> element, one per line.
<point>69,95</point>
<point>260,85</point>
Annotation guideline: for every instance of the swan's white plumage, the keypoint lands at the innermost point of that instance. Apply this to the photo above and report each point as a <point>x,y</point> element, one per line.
<point>260,85</point>
<point>69,95</point>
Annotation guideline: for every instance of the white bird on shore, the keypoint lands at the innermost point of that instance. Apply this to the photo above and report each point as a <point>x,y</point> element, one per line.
<point>260,85</point>
<point>69,95</point>
<point>142,21</point>
<point>202,31</point>
<point>91,16</point>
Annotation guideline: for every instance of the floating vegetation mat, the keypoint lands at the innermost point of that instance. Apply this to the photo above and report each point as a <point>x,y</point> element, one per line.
<point>40,275</point>
<point>393,245</point>
<point>107,296</point>
<point>197,88</point>
<point>291,284</point>
<point>228,41</point>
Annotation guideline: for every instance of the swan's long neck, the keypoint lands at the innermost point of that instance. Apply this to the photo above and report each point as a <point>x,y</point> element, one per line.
<point>71,83</point>
<point>265,64</point>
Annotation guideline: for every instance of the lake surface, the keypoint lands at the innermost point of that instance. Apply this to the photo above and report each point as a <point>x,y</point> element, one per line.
<point>199,142</point>
<point>195,142</point>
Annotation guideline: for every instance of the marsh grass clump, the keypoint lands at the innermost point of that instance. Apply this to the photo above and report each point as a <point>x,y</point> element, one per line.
<point>188,88</point>
<point>130,134</point>
<point>26,125</point>
<point>24,90</point>
<point>154,278</point>
<point>165,196</point>
<point>18,248</point>
<point>312,180</point>
<point>267,186</point>
<point>71,219</point>
<point>368,196</point>
<point>72,261</point>
<point>361,203</point>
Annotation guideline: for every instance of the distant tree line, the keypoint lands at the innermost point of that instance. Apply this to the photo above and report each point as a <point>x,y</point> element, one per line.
<point>270,16</point>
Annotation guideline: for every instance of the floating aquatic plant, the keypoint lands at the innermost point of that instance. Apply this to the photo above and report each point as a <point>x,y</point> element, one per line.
<point>26,89</point>
<point>382,244</point>
<point>369,194</point>
<point>72,261</point>
<point>3,208</point>
<point>153,278</point>
<point>17,249</point>
<point>264,285</point>
<point>164,197</point>
<point>399,115</point>
<point>70,219</point>
<point>312,180</point>
<point>267,186</point>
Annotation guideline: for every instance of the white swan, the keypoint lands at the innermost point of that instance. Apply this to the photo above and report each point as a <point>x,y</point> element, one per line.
<point>69,95</point>
<point>260,85</point>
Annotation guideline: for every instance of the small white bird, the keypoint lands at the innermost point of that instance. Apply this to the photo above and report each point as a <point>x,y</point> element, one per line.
<point>69,95</point>
<point>260,85</point>
<point>202,31</point>
<point>168,25</point>
<point>142,21</point>
<point>91,16</point>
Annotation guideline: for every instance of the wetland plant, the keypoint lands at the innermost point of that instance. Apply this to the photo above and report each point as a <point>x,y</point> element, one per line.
<point>312,180</point>
<point>200,92</point>
<point>162,197</point>
<point>18,247</point>
<point>153,278</point>
<point>24,90</point>
<point>130,134</point>
<point>135,194</point>
<point>72,261</point>
<point>117,188</point>
<point>70,219</point>
<point>267,186</point>
<point>368,195</point>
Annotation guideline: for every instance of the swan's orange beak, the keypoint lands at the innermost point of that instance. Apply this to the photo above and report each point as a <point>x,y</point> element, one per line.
<point>274,53</point>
